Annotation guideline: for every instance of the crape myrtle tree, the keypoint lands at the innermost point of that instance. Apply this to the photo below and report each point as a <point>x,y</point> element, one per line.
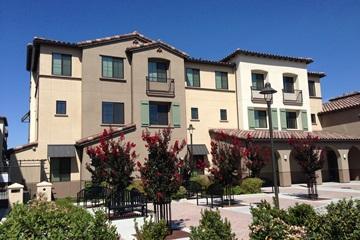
<point>307,154</point>
<point>112,161</point>
<point>160,173</point>
<point>255,156</point>
<point>227,153</point>
<point>191,167</point>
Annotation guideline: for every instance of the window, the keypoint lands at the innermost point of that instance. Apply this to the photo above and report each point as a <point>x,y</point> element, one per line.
<point>159,113</point>
<point>291,120</point>
<point>313,119</point>
<point>194,113</point>
<point>260,119</point>
<point>288,84</point>
<point>60,169</point>
<point>221,79</point>
<point>158,71</point>
<point>193,77</point>
<point>223,115</point>
<point>257,81</point>
<point>61,107</point>
<point>312,91</point>
<point>112,113</point>
<point>61,64</point>
<point>112,67</point>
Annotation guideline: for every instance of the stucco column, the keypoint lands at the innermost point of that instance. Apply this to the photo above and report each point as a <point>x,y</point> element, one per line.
<point>284,168</point>
<point>318,177</point>
<point>15,194</point>
<point>343,165</point>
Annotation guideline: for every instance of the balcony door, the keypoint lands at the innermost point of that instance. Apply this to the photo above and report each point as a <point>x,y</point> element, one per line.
<point>158,70</point>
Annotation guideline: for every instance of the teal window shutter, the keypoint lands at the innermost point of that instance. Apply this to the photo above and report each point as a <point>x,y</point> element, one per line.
<point>144,108</point>
<point>251,118</point>
<point>274,117</point>
<point>56,64</point>
<point>304,120</point>
<point>218,80</point>
<point>283,119</point>
<point>176,114</point>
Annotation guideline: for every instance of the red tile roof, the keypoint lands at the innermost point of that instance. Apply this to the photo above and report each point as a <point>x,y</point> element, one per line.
<point>22,147</point>
<point>210,62</point>
<point>346,101</point>
<point>96,137</point>
<point>155,44</point>
<point>317,74</point>
<point>266,55</point>
<point>284,135</point>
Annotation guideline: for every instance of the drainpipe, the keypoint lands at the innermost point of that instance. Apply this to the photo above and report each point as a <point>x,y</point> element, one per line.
<point>237,103</point>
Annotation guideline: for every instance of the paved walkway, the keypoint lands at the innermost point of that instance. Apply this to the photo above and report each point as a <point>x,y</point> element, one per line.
<point>186,213</point>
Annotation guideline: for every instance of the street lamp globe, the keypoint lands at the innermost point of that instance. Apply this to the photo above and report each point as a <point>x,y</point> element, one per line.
<point>191,129</point>
<point>268,92</point>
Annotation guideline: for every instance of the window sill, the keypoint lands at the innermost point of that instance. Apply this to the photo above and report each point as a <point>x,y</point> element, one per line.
<point>112,125</point>
<point>61,115</point>
<point>315,97</point>
<point>195,120</point>
<point>224,121</point>
<point>160,126</point>
<point>113,79</point>
<point>314,124</point>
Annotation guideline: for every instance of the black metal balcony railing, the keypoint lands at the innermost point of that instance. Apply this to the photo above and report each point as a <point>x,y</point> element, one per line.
<point>256,96</point>
<point>292,98</point>
<point>160,87</point>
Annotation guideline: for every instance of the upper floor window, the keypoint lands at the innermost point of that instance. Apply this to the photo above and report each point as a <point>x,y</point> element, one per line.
<point>221,79</point>
<point>61,64</point>
<point>112,113</point>
<point>312,91</point>
<point>291,120</point>
<point>159,113</point>
<point>223,115</point>
<point>158,70</point>
<point>289,84</point>
<point>257,81</point>
<point>313,119</point>
<point>193,77</point>
<point>112,67</point>
<point>260,119</point>
<point>194,113</point>
<point>61,107</point>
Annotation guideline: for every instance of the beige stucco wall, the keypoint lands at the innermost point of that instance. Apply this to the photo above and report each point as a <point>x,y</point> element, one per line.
<point>45,60</point>
<point>209,101</point>
<point>275,70</point>
<point>345,122</point>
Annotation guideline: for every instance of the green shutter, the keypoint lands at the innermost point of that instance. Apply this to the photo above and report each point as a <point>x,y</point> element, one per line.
<point>56,64</point>
<point>251,118</point>
<point>144,108</point>
<point>176,114</point>
<point>283,119</point>
<point>304,120</point>
<point>274,117</point>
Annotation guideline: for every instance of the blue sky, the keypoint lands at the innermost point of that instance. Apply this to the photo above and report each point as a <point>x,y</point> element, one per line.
<point>327,31</point>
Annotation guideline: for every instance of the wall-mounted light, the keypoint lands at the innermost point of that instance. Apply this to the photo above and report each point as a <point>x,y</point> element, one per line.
<point>285,157</point>
<point>344,156</point>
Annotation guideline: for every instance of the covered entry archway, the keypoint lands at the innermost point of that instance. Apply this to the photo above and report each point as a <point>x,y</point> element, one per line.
<point>297,174</point>
<point>330,170</point>
<point>354,163</point>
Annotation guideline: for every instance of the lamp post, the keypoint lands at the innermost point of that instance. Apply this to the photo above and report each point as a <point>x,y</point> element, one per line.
<point>268,92</point>
<point>191,130</point>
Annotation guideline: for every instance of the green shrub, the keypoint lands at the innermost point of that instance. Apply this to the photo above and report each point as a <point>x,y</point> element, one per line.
<point>138,185</point>
<point>251,185</point>
<point>342,221</point>
<point>212,227</point>
<point>300,214</point>
<point>151,230</point>
<point>181,193</point>
<point>272,223</point>
<point>50,220</point>
<point>203,180</point>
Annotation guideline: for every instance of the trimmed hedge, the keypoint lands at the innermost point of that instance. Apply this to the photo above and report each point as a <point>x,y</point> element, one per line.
<point>55,220</point>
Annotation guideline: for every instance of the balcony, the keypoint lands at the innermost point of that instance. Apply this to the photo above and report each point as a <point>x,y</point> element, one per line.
<point>293,98</point>
<point>160,87</point>
<point>256,96</point>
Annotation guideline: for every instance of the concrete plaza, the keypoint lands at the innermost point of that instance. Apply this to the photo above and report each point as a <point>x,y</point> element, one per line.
<point>186,213</point>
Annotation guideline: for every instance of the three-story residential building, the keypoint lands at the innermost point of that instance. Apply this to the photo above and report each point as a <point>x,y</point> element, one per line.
<point>132,83</point>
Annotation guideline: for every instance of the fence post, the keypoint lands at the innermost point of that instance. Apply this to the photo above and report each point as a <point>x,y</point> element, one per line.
<point>15,194</point>
<point>43,189</point>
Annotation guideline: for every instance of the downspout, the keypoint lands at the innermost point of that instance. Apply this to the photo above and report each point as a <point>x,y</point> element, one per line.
<point>237,103</point>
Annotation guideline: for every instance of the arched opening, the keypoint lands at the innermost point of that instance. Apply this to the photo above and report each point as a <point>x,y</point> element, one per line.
<point>330,170</point>
<point>354,163</point>
<point>297,174</point>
